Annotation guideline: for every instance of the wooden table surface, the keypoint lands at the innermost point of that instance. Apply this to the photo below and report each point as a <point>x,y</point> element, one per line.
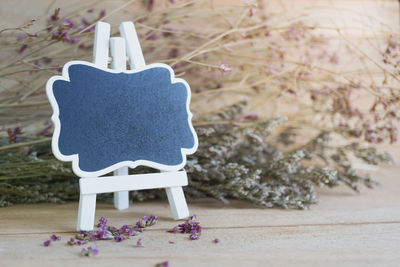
<point>343,229</point>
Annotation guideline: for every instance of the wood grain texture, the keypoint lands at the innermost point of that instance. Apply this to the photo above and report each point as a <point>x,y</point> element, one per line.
<point>344,229</point>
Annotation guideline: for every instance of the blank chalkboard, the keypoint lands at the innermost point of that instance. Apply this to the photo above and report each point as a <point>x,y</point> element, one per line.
<point>106,119</point>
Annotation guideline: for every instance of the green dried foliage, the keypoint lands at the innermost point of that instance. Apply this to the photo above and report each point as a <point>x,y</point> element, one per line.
<point>232,163</point>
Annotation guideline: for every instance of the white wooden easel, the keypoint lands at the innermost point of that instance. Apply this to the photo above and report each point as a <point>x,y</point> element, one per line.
<point>122,47</point>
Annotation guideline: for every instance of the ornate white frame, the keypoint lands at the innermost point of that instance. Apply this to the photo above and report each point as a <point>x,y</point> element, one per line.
<point>131,164</point>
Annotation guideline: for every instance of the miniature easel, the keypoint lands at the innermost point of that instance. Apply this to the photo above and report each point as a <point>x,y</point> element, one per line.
<point>122,47</point>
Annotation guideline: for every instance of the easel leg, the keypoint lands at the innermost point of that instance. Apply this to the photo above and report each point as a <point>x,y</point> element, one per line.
<point>121,199</point>
<point>177,202</point>
<point>87,208</point>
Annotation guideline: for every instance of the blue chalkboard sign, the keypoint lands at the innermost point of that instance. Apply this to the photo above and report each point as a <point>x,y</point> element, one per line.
<point>106,119</point>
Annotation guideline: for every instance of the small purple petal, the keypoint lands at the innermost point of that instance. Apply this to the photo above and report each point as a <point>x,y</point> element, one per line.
<point>132,231</point>
<point>194,236</point>
<point>252,117</point>
<point>21,37</point>
<point>139,243</point>
<point>85,22</point>
<point>81,27</point>
<point>68,23</point>
<point>119,238</point>
<point>47,243</point>
<point>55,238</point>
<point>89,251</point>
<point>163,264</point>
<point>102,13</point>
<point>95,251</point>
<point>22,49</point>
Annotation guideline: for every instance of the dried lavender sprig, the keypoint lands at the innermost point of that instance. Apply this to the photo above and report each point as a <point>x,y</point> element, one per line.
<point>190,226</point>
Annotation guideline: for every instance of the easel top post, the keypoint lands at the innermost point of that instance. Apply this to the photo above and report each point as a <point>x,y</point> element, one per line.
<point>133,48</point>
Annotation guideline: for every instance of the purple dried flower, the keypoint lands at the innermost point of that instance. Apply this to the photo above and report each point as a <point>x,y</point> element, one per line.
<point>153,37</point>
<point>13,134</point>
<point>80,242</point>
<point>119,238</point>
<point>171,242</point>
<point>189,227</point>
<point>139,243</point>
<point>102,223</point>
<point>132,231</point>
<point>145,222</point>
<point>85,22</point>
<point>140,224</point>
<point>55,238</point>
<point>91,29</point>
<point>152,220</point>
<point>53,18</point>
<point>68,23</point>
<point>194,236</point>
<point>21,37</point>
<point>95,251</point>
<point>174,53</point>
<point>46,130</point>
<point>22,49</point>
<point>251,117</point>
<point>89,251</point>
<point>149,4</point>
<point>67,37</point>
<point>123,229</point>
<point>100,234</point>
<point>71,241</point>
<point>55,15</point>
<point>46,243</point>
<point>216,240</point>
<point>102,13</point>
<point>163,264</point>
<point>81,27</point>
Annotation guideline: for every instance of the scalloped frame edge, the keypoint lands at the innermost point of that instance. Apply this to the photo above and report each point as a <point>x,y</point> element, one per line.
<point>128,163</point>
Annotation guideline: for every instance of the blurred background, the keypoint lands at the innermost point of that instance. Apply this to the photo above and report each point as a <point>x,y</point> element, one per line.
<point>288,96</point>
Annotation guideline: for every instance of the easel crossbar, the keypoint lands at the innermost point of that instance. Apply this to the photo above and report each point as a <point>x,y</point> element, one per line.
<point>110,184</point>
